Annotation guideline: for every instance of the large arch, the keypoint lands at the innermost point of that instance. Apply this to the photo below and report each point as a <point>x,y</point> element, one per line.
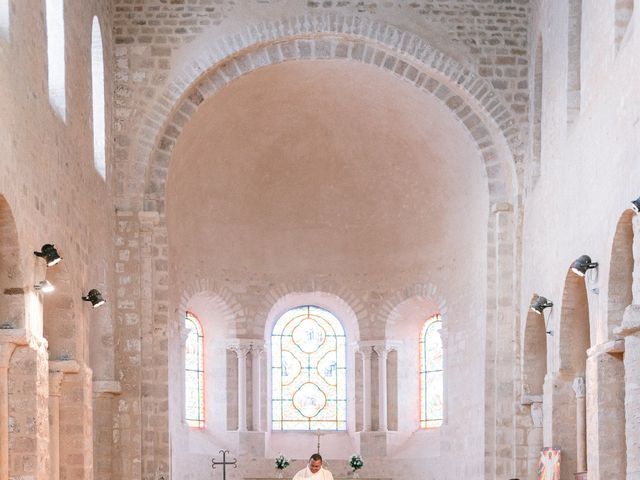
<point>620,272</point>
<point>470,98</point>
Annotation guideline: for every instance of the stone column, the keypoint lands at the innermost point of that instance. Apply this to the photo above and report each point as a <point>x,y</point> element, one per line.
<point>241,351</point>
<point>55,390</point>
<point>534,439</point>
<point>104,392</point>
<point>366,388</point>
<point>6,349</point>
<point>256,373</point>
<point>383,352</point>
<point>631,331</point>
<point>581,424</point>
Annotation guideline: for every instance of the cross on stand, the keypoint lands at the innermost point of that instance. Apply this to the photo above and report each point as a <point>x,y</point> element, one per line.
<point>224,463</point>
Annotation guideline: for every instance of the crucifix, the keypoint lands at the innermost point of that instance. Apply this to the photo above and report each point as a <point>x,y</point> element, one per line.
<point>318,435</point>
<point>224,463</point>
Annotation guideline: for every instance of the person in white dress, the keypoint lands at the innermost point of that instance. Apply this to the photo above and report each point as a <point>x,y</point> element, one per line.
<point>314,470</point>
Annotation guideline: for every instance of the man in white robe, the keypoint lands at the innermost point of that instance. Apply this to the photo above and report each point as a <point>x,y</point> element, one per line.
<point>314,470</point>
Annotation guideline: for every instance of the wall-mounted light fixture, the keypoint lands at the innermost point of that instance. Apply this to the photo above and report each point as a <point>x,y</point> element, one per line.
<point>635,204</point>
<point>49,253</point>
<point>539,304</point>
<point>44,286</point>
<point>95,297</point>
<point>582,264</point>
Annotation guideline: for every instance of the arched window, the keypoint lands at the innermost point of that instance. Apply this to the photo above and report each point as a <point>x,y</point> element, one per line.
<point>431,387</point>
<point>194,372</point>
<point>55,56</point>
<point>4,19</point>
<point>308,371</point>
<point>97,95</point>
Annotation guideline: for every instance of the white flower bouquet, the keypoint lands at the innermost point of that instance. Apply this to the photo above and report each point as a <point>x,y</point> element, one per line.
<point>355,462</point>
<point>282,462</point>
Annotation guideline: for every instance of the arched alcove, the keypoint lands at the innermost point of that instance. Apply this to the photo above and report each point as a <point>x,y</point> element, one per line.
<point>620,272</point>
<point>217,316</point>
<point>573,343</point>
<point>574,335</point>
<point>12,282</point>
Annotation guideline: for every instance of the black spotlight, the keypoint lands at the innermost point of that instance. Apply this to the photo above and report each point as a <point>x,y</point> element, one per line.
<point>50,254</point>
<point>635,204</point>
<point>582,264</point>
<point>95,297</point>
<point>539,304</point>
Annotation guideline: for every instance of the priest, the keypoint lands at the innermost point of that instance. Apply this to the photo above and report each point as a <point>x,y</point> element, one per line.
<point>314,470</point>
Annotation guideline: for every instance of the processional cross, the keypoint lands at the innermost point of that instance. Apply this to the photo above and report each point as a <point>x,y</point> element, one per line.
<point>224,463</point>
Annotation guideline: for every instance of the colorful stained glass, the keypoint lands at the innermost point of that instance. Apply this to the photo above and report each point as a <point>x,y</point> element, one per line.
<point>194,372</point>
<point>431,373</point>
<point>308,367</point>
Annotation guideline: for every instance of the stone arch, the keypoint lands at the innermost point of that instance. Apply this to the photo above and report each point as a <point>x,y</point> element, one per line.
<point>620,272</point>
<point>278,299</point>
<point>574,334</point>
<point>573,343</point>
<point>403,316</point>
<point>211,297</point>
<point>470,98</point>
<point>12,282</point>
<point>534,357</point>
<point>391,312</point>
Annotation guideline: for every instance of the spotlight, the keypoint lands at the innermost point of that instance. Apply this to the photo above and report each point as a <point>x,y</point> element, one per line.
<point>582,264</point>
<point>539,304</point>
<point>50,254</point>
<point>44,286</point>
<point>635,204</point>
<point>95,297</point>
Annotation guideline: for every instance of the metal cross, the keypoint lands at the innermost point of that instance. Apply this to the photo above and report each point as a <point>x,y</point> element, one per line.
<point>224,463</point>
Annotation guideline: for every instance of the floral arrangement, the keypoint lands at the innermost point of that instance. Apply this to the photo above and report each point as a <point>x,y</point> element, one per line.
<point>282,462</point>
<point>355,462</point>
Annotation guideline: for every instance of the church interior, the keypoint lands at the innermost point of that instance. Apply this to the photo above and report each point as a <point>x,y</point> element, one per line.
<point>414,239</point>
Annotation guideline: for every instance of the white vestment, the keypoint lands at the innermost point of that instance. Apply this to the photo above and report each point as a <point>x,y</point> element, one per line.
<point>305,474</point>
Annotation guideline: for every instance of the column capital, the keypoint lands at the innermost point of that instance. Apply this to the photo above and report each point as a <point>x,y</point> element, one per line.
<point>579,387</point>
<point>257,350</point>
<point>383,349</point>
<point>365,350</point>
<point>240,347</point>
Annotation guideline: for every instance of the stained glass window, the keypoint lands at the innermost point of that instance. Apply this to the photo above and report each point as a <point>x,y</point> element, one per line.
<point>308,371</point>
<point>431,389</point>
<point>194,372</point>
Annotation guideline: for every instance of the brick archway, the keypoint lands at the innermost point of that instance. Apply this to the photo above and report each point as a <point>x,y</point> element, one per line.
<point>470,98</point>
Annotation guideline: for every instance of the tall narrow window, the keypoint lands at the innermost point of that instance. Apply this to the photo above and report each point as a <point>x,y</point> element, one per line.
<point>431,386</point>
<point>308,371</point>
<point>97,94</point>
<point>4,19</point>
<point>194,372</point>
<point>55,54</point>
<point>573,60</point>
<point>623,14</point>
